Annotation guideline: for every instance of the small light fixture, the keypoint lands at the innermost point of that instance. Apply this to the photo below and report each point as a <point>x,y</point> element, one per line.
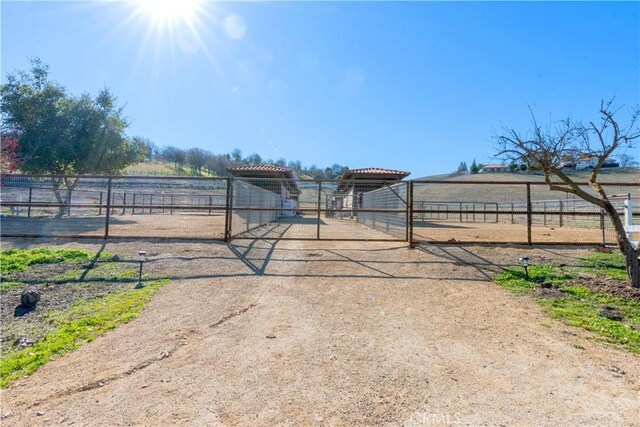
<point>524,261</point>
<point>142,258</point>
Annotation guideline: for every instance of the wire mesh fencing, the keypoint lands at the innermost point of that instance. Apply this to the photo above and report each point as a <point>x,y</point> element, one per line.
<point>53,206</point>
<point>385,209</point>
<point>508,212</point>
<point>286,208</point>
<point>132,207</point>
<point>279,208</point>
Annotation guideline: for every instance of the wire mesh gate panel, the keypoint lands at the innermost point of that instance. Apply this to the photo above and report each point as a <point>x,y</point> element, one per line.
<point>511,212</point>
<point>224,208</point>
<point>278,208</point>
<point>85,206</point>
<point>385,209</point>
<point>53,206</point>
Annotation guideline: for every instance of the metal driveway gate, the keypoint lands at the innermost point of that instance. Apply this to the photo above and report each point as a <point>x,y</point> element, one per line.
<point>281,209</point>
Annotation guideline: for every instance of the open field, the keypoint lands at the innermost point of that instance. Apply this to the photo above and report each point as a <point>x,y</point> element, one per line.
<point>605,175</point>
<point>327,333</point>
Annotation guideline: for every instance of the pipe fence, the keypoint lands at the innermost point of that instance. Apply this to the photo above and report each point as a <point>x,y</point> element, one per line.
<point>418,211</point>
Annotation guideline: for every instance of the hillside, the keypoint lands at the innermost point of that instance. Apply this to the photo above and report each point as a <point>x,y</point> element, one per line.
<point>606,175</point>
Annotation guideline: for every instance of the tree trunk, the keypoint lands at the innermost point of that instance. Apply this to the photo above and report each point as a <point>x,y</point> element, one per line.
<point>66,201</point>
<point>625,246</point>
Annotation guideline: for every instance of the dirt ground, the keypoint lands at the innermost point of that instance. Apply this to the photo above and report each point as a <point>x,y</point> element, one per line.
<point>326,333</point>
<point>193,226</point>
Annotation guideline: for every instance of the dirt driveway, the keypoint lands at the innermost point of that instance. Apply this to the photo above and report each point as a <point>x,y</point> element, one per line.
<point>324,333</point>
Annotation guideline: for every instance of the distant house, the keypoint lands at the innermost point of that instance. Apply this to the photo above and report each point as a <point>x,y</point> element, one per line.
<point>610,163</point>
<point>567,165</point>
<point>586,162</point>
<point>497,168</point>
<point>589,162</point>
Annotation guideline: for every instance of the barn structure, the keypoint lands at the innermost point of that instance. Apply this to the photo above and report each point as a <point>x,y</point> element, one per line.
<point>279,180</point>
<point>354,182</point>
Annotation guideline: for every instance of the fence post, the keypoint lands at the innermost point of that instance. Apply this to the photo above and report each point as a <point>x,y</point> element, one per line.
<point>560,211</point>
<point>410,219</point>
<point>512,213</point>
<point>210,203</point>
<point>227,212</point>
<point>604,239</point>
<point>544,216</point>
<point>319,199</point>
<point>150,203</point>
<point>29,207</point>
<point>106,223</point>
<point>124,202</point>
<point>529,214</point>
<point>100,205</point>
<point>133,206</point>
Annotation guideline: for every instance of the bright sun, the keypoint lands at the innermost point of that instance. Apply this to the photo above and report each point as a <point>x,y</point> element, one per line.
<point>169,10</point>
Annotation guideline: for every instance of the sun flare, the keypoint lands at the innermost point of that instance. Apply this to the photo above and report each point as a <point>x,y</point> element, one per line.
<point>169,10</point>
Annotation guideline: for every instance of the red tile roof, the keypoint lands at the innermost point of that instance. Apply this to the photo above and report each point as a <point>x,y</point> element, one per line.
<point>377,171</point>
<point>258,168</point>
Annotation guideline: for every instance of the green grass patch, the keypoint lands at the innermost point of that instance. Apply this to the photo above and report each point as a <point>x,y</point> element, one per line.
<point>5,286</point>
<point>578,306</point>
<point>16,260</point>
<point>111,271</point>
<point>610,265</point>
<point>83,322</point>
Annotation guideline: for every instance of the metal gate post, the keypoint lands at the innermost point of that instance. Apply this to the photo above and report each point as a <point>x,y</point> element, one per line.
<point>410,212</point>
<point>529,214</point>
<point>319,199</point>
<point>108,215</point>
<point>227,212</point>
<point>30,197</point>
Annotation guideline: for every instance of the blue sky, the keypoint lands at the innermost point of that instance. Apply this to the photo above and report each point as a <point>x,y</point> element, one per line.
<point>411,86</point>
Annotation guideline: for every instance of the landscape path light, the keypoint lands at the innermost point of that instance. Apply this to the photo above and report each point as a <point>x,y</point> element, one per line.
<point>142,257</point>
<point>524,261</point>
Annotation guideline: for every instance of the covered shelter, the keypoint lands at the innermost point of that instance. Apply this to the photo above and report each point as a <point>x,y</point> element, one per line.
<point>355,181</point>
<point>279,180</point>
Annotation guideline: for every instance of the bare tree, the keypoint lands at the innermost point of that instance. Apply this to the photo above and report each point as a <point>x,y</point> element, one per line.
<point>626,160</point>
<point>544,148</point>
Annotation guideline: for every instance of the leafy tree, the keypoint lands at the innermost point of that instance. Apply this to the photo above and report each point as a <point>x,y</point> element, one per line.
<point>196,159</point>
<point>174,155</point>
<point>544,148</point>
<point>151,149</point>
<point>62,134</point>
<point>254,159</point>
<point>236,155</point>
<point>474,167</point>
<point>462,168</point>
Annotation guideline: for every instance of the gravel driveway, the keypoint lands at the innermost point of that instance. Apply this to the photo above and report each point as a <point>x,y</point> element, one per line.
<point>326,333</point>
